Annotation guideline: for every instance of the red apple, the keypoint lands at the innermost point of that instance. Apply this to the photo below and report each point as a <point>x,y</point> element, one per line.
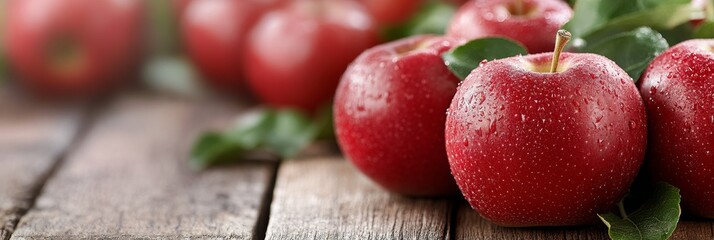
<point>214,34</point>
<point>180,6</point>
<point>390,113</point>
<point>678,89</point>
<point>699,12</point>
<point>392,11</point>
<point>72,47</point>
<point>531,147</point>
<point>297,53</point>
<point>530,22</point>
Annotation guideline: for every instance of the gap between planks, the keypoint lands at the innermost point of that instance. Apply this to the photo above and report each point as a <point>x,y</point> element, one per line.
<point>38,137</point>
<point>128,178</point>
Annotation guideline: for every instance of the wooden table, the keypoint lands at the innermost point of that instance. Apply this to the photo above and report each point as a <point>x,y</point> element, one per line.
<point>119,170</point>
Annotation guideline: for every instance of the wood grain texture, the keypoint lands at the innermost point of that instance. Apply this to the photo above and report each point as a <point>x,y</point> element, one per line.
<point>326,198</point>
<point>129,178</point>
<point>33,137</point>
<point>694,229</point>
<point>469,225</point>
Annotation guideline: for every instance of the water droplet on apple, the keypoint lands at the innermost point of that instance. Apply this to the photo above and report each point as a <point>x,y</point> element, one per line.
<point>523,118</point>
<point>483,62</point>
<point>466,142</point>
<point>598,118</point>
<point>481,98</point>
<point>492,127</point>
<point>632,124</point>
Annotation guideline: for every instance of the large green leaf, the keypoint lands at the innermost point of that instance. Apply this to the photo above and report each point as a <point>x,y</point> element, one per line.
<point>465,58</point>
<point>656,219</point>
<point>633,50</point>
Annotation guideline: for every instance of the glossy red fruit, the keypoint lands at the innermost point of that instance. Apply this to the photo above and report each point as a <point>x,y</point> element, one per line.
<point>533,24</point>
<point>390,110</point>
<point>214,33</point>
<point>393,11</point>
<point>72,47</point>
<point>297,53</point>
<point>530,148</point>
<point>180,6</point>
<point>678,89</point>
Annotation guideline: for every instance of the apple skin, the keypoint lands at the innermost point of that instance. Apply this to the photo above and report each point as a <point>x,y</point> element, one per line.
<point>678,90</point>
<point>393,11</point>
<point>214,34</point>
<point>488,18</point>
<point>390,113</point>
<point>546,149</point>
<point>296,54</point>
<point>101,39</point>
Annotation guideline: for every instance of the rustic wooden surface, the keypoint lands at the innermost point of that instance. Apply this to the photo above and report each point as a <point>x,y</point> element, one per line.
<point>125,176</point>
<point>469,225</point>
<point>33,138</point>
<point>129,178</point>
<point>326,198</point>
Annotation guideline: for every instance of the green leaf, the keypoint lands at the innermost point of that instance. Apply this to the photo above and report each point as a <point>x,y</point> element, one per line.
<point>465,58</point>
<point>656,219</point>
<point>595,19</point>
<point>706,30</point>
<point>432,18</point>
<point>283,132</point>
<point>633,50</point>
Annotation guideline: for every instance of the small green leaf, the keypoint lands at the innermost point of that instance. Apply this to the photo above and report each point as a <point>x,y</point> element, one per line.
<point>656,219</point>
<point>213,148</point>
<point>465,58</point>
<point>706,30</point>
<point>432,18</point>
<point>633,50</point>
<point>284,132</point>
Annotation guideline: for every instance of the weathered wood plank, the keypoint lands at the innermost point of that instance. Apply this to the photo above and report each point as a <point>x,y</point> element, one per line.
<point>326,198</point>
<point>33,137</point>
<point>129,178</point>
<point>694,229</point>
<point>470,225</point>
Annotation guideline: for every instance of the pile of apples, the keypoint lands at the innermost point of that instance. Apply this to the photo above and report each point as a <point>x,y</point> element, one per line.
<point>538,140</point>
<point>546,139</point>
<point>288,53</point>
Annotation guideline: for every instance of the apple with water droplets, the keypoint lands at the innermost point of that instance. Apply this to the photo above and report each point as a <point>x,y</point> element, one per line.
<point>296,53</point>
<point>390,110</point>
<point>546,139</point>
<point>678,91</point>
<point>530,22</point>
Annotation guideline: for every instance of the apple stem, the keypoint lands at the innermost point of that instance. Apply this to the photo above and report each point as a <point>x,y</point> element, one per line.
<point>561,39</point>
<point>519,7</point>
<point>621,207</point>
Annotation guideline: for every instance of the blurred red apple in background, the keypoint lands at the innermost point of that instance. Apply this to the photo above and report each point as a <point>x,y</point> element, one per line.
<point>181,5</point>
<point>533,147</point>
<point>678,89</point>
<point>297,53</point>
<point>72,47</point>
<point>392,12</point>
<point>214,34</point>
<point>530,22</point>
<point>390,112</point>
